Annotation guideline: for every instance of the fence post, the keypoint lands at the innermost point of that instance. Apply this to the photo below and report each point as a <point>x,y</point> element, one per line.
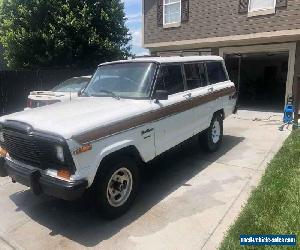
<point>296,102</point>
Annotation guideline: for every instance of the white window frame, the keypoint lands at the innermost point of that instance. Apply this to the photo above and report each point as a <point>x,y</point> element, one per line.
<point>263,11</point>
<point>174,24</point>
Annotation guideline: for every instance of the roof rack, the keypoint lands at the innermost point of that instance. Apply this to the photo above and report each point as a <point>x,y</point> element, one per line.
<point>145,56</point>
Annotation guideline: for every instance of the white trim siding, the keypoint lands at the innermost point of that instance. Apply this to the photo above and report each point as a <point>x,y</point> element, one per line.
<point>253,38</point>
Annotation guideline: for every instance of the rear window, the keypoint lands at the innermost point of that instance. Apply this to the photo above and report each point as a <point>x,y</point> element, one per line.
<point>215,72</point>
<point>170,79</point>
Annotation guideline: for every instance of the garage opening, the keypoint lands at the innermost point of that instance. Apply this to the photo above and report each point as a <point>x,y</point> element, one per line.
<point>261,79</point>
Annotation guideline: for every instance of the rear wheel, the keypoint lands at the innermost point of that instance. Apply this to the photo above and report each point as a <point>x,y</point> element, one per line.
<point>212,138</point>
<point>116,187</point>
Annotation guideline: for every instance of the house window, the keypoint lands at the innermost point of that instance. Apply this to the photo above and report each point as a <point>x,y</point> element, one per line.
<point>261,5</point>
<point>172,11</point>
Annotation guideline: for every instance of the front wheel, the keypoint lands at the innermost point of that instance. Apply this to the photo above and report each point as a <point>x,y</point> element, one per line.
<point>116,187</point>
<point>212,138</point>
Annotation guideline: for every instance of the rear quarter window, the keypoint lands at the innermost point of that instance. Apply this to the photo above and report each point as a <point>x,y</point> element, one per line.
<point>216,72</point>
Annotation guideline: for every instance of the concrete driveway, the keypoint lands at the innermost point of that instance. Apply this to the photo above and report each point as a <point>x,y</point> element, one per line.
<point>187,201</point>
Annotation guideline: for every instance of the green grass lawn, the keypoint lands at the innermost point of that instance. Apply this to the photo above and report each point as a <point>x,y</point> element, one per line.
<point>274,206</point>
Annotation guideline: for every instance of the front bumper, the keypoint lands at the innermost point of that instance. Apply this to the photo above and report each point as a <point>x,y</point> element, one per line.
<point>40,183</point>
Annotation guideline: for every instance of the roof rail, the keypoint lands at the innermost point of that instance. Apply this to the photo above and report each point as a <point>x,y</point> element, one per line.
<point>145,56</point>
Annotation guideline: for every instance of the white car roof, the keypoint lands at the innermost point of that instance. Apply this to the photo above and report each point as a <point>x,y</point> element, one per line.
<point>170,59</point>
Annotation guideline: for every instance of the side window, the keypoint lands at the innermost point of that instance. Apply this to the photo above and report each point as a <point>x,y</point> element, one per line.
<point>170,79</point>
<point>215,72</point>
<point>202,74</point>
<point>194,76</point>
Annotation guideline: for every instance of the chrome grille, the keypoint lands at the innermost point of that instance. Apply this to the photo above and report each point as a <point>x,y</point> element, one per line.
<point>34,148</point>
<point>21,148</point>
<point>28,149</point>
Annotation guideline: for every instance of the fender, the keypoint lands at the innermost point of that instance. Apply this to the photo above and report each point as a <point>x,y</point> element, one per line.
<point>109,149</point>
<point>116,147</point>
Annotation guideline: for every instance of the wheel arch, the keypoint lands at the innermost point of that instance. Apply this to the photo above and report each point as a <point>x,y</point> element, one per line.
<point>221,112</point>
<point>126,151</point>
<point>129,150</point>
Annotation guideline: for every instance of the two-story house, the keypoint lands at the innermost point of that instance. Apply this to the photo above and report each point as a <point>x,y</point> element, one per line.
<point>259,39</point>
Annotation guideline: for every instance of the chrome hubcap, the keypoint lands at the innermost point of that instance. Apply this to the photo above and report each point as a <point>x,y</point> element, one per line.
<point>119,187</point>
<point>216,132</point>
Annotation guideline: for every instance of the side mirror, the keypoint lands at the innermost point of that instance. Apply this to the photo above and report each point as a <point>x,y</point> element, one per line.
<point>161,95</point>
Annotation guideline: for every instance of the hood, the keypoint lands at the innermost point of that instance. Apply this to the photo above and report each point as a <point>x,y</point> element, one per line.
<point>79,115</point>
<point>50,95</point>
<point>44,93</point>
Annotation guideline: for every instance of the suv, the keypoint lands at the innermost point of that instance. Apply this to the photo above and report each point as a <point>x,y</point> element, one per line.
<point>131,112</point>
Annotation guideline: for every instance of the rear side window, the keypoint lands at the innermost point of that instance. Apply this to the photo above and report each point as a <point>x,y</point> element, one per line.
<point>215,72</point>
<point>170,79</point>
<point>195,75</point>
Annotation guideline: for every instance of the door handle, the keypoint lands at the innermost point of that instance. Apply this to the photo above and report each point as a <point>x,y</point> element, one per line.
<point>147,131</point>
<point>189,95</point>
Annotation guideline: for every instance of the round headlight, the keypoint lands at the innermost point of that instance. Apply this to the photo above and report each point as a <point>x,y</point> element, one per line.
<point>60,153</point>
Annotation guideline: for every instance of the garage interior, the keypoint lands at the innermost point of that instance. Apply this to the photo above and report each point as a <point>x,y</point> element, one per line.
<point>261,79</point>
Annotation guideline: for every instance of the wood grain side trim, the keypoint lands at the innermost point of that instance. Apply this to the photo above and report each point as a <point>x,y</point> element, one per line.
<point>117,127</point>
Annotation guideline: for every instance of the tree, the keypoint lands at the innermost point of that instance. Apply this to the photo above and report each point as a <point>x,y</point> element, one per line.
<point>62,33</point>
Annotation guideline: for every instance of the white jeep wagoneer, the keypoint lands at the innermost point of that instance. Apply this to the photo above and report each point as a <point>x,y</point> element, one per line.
<point>131,112</point>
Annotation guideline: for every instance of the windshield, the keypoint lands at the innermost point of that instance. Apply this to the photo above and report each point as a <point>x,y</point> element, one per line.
<point>72,85</point>
<point>125,80</point>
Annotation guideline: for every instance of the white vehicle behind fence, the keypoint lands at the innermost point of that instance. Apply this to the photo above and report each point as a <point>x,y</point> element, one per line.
<point>65,91</point>
<point>131,112</point>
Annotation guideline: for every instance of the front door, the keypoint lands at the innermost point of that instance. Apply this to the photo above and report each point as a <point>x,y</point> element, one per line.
<point>174,118</point>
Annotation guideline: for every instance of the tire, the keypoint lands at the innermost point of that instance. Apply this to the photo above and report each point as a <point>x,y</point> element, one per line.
<point>112,198</point>
<point>212,138</point>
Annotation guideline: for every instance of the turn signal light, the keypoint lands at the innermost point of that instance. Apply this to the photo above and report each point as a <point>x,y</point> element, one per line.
<point>3,152</point>
<point>83,149</point>
<point>64,174</point>
<point>29,103</point>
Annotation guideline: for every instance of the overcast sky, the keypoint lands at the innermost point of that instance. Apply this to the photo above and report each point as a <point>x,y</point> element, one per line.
<point>133,9</point>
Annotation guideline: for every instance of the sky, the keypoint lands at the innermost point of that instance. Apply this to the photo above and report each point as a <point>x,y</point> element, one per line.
<point>133,10</point>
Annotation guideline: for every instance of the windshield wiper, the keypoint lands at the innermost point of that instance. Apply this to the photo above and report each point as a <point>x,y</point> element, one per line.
<point>83,94</point>
<point>112,94</point>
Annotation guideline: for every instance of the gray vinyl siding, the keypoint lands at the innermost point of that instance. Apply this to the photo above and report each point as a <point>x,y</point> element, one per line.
<point>218,18</point>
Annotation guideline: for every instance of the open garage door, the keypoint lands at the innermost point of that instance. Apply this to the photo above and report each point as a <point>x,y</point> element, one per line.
<point>260,78</point>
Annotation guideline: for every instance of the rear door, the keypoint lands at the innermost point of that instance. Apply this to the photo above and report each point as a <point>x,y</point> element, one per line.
<point>196,80</point>
<point>174,118</point>
<point>218,81</point>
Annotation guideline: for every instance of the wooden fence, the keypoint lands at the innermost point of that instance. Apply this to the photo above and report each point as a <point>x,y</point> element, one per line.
<point>16,85</point>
